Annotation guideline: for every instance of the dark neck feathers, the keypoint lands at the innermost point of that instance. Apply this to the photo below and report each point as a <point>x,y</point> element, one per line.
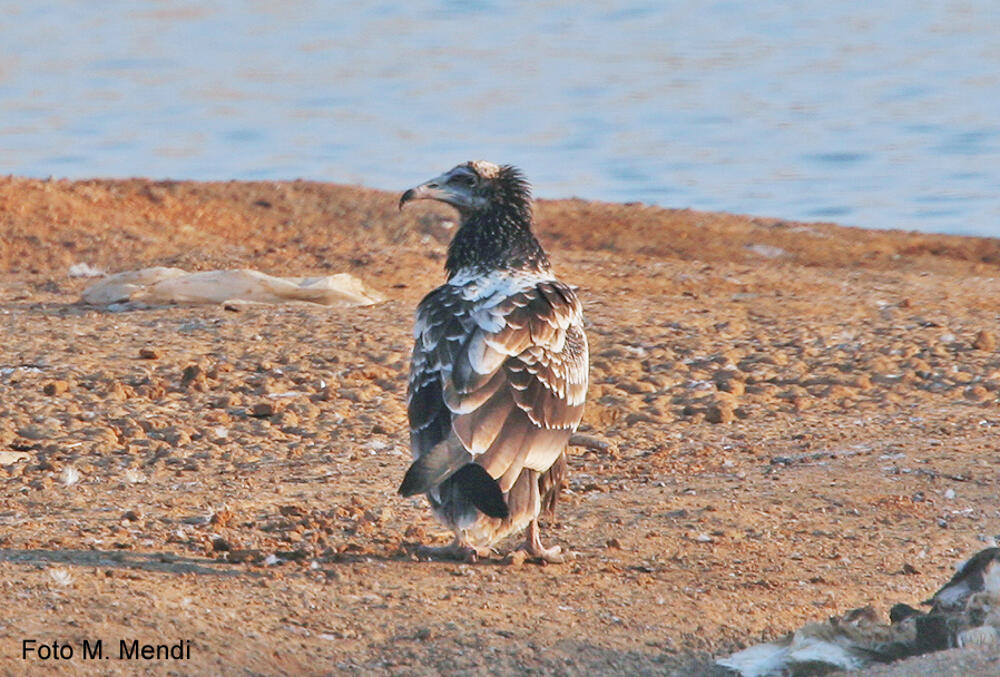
<point>498,237</point>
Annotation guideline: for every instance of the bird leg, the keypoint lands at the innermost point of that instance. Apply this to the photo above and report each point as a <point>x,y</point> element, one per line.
<point>457,549</point>
<point>534,548</point>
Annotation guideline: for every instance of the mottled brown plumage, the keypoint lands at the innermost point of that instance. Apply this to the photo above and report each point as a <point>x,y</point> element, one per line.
<point>499,372</point>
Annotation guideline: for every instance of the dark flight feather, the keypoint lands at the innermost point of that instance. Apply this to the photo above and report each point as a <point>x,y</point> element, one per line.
<point>476,485</point>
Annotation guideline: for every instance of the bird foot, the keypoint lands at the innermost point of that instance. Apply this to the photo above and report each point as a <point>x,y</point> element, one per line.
<point>537,552</point>
<point>533,548</point>
<point>454,551</point>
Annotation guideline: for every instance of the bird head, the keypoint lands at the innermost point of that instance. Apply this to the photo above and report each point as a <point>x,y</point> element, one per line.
<point>473,187</point>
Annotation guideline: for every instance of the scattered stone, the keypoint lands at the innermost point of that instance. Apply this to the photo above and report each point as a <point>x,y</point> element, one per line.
<point>55,388</point>
<point>155,390</point>
<point>292,511</point>
<point>264,409</point>
<point>800,403</point>
<point>862,381</point>
<point>285,419</point>
<point>637,387</point>
<point>149,353</point>
<point>241,556</point>
<point>640,417</point>
<point>226,401</point>
<point>119,391</point>
<point>324,394</point>
<point>132,516</point>
<point>589,442</point>
<point>194,378</point>
<point>379,516</point>
<point>35,432</point>
<point>222,517</point>
<point>730,385</point>
<point>986,341</point>
<point>220,368</point>
<point>517,558</point>
<point>977,393</point>
<point>720,410</point>
<point>172,435</point>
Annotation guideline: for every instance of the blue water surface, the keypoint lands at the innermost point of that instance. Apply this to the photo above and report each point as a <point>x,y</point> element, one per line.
<point>879,114</point>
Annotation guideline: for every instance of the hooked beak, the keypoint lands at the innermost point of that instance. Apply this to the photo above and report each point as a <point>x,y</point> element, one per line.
<point>427,191</point>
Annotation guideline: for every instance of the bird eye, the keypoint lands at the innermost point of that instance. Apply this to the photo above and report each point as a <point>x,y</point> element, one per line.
<point>463,180</point>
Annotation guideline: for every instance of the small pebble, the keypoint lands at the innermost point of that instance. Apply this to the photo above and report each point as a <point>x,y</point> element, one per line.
<point>985,341</point>
<point>55,388</point>
<point>719,413</point>
<point>263,409</point>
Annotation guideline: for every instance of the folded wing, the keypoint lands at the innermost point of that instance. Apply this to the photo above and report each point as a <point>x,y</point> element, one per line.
<point>498,380</point>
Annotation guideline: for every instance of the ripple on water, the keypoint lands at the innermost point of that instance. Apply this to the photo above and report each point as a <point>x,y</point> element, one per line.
<point>837,159</point>
<point>876,114</point>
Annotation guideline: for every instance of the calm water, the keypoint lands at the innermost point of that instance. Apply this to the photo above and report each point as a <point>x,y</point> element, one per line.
<point>883,114</point>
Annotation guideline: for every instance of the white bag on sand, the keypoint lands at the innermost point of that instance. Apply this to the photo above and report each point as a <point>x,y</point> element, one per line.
<point>166,286</point>
<point>11,457</point>
<point>120,287</point>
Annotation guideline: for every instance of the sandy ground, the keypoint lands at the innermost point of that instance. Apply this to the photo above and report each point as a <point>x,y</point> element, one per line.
<point>799,419</point>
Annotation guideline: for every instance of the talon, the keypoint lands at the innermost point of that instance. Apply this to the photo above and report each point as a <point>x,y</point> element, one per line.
<point>534,548</point>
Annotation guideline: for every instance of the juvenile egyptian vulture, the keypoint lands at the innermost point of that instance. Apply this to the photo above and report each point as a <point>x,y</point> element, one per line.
<point>499,370</point>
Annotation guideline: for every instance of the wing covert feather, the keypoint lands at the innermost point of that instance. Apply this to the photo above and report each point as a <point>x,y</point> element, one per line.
<point>507,373</point>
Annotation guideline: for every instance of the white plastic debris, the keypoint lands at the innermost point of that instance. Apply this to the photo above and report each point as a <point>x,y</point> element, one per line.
<point>61,577</point>
<point>85,270</point>
<point>133,476</point>
<point>168,286</point>
<point>766,250</point>
<point>69,476</point>
<point>11,457</point>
